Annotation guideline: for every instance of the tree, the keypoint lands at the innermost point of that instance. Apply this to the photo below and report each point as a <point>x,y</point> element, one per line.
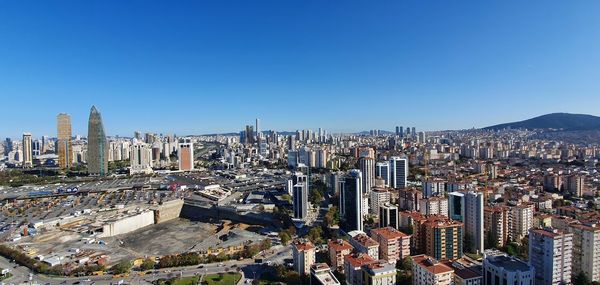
<point>121,267</point>
<point>581,278</point>
<point>265,244</point>
<point>285,237</point>
<point>315,235</point>
<point>148,264</point>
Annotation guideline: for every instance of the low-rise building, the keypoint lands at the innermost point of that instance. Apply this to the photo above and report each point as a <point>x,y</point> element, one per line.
<point>320,274</point>
<point>393,244</point>
<point>337,250</point>
<point>365,244</point>
<point>380,273</point>
<point>303,253</point>
<point>429,271</point>
<point>353,264</point>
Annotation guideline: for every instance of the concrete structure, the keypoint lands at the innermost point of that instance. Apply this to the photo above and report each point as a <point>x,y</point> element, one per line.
<point>64,145</point>
<point>168,211</point>
<point>382,170</point>
<point>300,200</point>
<point>409,199</point>
<point>379,273</point>
<point>428,271</point>
<point>378,197</point>
<point>140,158</point>
<point>465,272</point>
<point>550,254</point>
<point>303,253</point>
<point>185,154</point>
<point>468,208</point>
<point>388,216</point>
<point>586,250</point>
<point>337,250</point>
<point>97,152</point>
<point>398,172</point>
<point>443,238</point>
<point>320,274</point>
<point>434,206</point>
<point>27,151</point>
<point>502,269</point>
<point>127,224</point>
<point>364,244</point>
<point>393,244</point>
<point>434,187</point>
<point>353,264</point>
<point>367,168</point>
<point>520,220</point>
<point>496,225</point>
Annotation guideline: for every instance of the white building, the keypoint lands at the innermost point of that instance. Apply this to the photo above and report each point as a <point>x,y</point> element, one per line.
<point>520,221</point>
<point>428,271</point>
<point>550,254</point>
<point>586,250</point>
<point>27,151</point>
<point>303,253</point>
<point>367,167</point>
<point>140,158</point>
<point>434,206</point>
<point>378,197</point>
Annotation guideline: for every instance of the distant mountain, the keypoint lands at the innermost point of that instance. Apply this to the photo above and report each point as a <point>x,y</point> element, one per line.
<point>562,121</point>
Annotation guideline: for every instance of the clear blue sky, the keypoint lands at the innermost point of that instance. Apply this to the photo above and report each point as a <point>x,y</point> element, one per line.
<point>192,67</point>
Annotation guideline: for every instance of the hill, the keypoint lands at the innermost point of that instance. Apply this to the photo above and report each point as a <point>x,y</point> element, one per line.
<point>562,121</point>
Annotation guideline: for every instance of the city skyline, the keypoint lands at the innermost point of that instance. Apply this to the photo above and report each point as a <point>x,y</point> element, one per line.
<point>233,63</point>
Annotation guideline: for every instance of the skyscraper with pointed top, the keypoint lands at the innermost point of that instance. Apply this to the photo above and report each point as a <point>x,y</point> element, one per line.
<point>97,153</point>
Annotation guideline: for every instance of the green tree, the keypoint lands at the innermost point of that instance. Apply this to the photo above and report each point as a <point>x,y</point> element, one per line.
<point>121,267</point>
<point>285,238</point>
<point>148,264</point>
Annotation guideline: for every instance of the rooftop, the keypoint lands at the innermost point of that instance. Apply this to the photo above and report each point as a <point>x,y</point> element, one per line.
<point>431,265</point>
<point>508,263</point>
<point>388,233</point>
<point>339,245</point>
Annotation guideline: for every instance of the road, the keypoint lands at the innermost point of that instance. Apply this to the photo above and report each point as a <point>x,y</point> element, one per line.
<point>276,255</point>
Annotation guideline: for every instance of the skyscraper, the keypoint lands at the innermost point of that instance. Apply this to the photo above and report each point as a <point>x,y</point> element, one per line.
<point>351,201</point>
<point>367,167</point>
<point>27,150</point>
<point>382,170</point>
<point>63,144</point>
<point>300,195</point>
<point>185,153</point>
<point>550,254</point>
<point>398,172</point>
<point>140,158</point>
<point>97,153</point>
<point>468,208</point>
<point>257,128</point>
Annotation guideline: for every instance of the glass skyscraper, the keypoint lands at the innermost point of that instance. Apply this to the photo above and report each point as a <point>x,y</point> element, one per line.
<point>97,153</point>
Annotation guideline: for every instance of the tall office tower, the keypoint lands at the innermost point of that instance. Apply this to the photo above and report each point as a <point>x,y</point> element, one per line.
<point>474,220</point>
<point>520,220</point>
<point>413,132</point>
<point>36,148</point>
<point>378,197</point>
<point>27,150</point>
<point>586,250</point>
<point>97,153</point>
<point>186,154</point>
<point>257,123</point>
<point>140,158</point>
<point>401,132</point>
<point>8,146</point>
<point>351,199</point>
<point>137,135</point>
<point>408,131</point>
<point>367,168</point>
<point>64,144</point>
<point>291,143</point>
<point>43,145</point>
<point>442,238</point>
<point>300,196</point>
<point>550,254</point>
<point>303,253</point>
<point>496,226</point>
<point>388,216</point>
<point>502,269</point>
<point>422,137</point>
<point>382,170</point>
<point>249,135</point>
<point>397,131</point>
<point>398,172</point>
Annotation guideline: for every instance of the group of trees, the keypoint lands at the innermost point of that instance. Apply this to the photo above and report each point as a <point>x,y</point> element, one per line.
<point>121,267</point>
<point>284,275</point>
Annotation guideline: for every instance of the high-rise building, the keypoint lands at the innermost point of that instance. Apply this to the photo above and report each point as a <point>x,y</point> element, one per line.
<point>300,199</point>
<point>64,144</point>
<point>574,185</point>
<point>496,226</point>
<point>185,154</point>
<point>303,253</point>
<point>409,199</point>
<point>97,152</point>
<point>388,216</point>
<point>550,254</point>
<point>398,172</point>
<point>394,245</point>
<point>586,250</point>
<point>140,158</point>
<point>473,220</point>
<point>378,197</point>
<point>443,238</point>
<point>428,271</point>
<point>434,187</point>
<point>520,220</point>
<point>367,167</point>
<point>351,202</point>
<point>382,170</point>
<point>257,128</point>
<point>501,270</point>
<point>434,206</point>
<point>27,150</point>
<point>397,131</point>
